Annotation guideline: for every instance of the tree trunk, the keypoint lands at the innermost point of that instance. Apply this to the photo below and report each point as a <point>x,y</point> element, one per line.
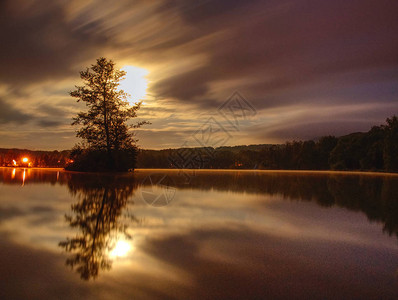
<point>106,125</point>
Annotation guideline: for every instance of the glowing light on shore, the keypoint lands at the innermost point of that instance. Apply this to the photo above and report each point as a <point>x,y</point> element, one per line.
<point>122,248</point>
<point>14,162</point>
<point>25,160</point>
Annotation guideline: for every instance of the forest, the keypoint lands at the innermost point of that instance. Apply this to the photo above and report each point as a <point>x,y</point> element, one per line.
<point>375,150</point>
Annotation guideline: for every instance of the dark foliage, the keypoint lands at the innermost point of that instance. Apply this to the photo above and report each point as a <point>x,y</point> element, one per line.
<point>375,150</point>
<point>98,160</point>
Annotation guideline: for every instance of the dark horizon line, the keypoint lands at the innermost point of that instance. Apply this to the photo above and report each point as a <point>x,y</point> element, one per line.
<point>176,148</point>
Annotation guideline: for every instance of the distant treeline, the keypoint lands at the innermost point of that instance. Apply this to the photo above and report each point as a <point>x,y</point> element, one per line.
<point>56,159</point>
<point>375,150</point>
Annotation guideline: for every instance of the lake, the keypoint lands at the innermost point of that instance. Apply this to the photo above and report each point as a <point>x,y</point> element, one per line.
<point>169,234</point>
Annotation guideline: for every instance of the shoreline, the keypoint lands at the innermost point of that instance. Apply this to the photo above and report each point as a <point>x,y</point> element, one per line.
<point>368,173</point>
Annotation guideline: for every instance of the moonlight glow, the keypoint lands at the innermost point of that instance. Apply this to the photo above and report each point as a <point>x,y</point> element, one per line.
<point>121,249</point>
<point>135,83</point>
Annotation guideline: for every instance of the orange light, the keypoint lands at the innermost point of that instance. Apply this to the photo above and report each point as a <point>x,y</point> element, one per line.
<point>25,159</point>
<point>23,177</point>
<point>14,162</point>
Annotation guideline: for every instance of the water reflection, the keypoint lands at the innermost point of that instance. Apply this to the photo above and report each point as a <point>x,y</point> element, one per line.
<point>23,176</point>
<point>97,217</point>
<point>376,196</point>
<point>226,235</point>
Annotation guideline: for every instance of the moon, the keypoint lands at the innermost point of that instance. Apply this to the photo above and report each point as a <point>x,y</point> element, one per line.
<point>121,249</point>
<point>135,83</point>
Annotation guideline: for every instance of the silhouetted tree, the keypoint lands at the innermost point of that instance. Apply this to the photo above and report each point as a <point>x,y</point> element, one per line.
<point>104,127</point>
<point>373,143</point>
<point>325,145</point>
<point>348,152</point>
<point>390,152</point>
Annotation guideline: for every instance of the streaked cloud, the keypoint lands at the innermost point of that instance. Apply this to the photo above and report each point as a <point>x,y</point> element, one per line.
<point>315,57</point>
<point>9,114</point>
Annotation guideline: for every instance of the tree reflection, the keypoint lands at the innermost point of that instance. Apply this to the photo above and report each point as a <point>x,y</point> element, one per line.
<point>376,196</point>
<point>97,216</point>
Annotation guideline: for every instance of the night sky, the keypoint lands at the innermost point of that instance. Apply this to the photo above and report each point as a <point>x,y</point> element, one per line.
<point>309,68</point>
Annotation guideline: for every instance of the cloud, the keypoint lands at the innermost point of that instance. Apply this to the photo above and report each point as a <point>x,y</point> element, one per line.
<point>49,123</point>
<point>40,43</point>
<point>36,138</point>
<point>283,45</point>
<point>51,110</point>
<point>279,54</point>
<point>51,115</point>
<point>177,86</point>
<point>9,114</point>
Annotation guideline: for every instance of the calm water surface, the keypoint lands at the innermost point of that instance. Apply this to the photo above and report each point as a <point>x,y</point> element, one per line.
<point>203,235</point>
